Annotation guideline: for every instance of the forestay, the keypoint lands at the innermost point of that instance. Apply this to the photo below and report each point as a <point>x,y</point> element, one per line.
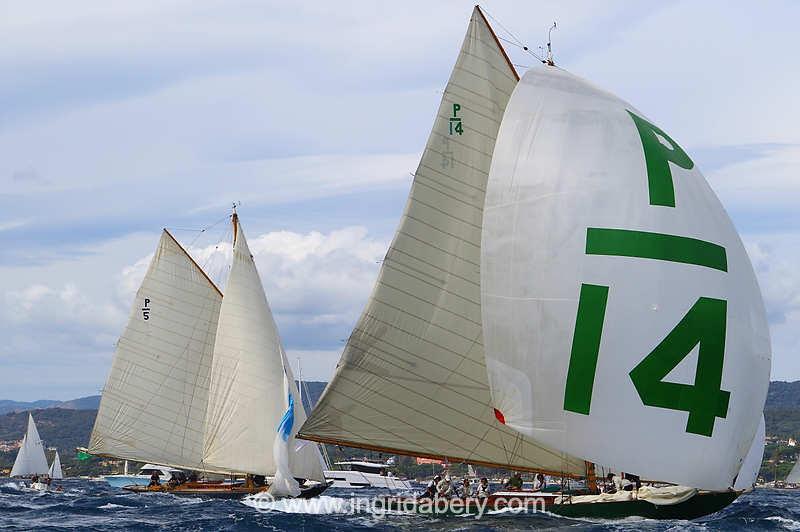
<point>153,406</point>
<point>31,459</point>
<point>412,377</point>
<point>250,379</point>
<point>622,319</point>
<point>751,464</point>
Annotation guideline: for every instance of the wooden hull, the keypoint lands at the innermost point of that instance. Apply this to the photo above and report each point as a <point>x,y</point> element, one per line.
<point>220,491</point>
<point>701,504</point>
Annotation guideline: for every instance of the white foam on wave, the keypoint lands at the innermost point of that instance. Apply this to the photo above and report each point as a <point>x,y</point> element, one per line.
<point>12,486</point>
<point>110,506</point>
<point>788,524</point>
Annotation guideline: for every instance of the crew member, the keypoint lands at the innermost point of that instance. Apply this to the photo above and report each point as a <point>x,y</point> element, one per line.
<point>515,482</point>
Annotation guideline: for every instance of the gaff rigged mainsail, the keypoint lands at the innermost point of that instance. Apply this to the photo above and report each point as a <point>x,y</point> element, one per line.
<point>412,378</point>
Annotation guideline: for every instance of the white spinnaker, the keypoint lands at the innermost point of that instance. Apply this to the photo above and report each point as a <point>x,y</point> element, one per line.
<point>247,394</point>
<point>412,378</point>
<point>55,468</point>
<point>751,464</point>
<point>569,157</point>
<point>31,459</point>
<point>153,405</point>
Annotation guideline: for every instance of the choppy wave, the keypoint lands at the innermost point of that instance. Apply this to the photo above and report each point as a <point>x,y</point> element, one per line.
<point>95,505</point>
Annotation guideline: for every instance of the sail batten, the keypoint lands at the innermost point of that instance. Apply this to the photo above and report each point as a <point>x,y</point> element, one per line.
<point>412,378</point>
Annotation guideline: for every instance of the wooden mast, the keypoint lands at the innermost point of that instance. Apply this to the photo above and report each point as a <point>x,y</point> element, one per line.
<point>591,478</point>
<point>235,222</point>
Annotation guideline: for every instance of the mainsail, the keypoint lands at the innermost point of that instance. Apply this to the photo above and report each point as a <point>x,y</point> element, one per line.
<point>250,380</point>
<point>55,468</point>
<point>412,378</point>
<point>153,406</point>
<point>606,261</point>
<point>31,459</point>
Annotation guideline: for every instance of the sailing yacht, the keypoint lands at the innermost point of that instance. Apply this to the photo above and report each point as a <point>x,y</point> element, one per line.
<point>201,382</point>
<point>31,460</point>
<point>558,259</point>
<point>55,472</point>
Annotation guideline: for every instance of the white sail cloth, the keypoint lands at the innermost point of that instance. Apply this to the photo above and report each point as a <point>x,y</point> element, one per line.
<point>577,212</point>
<point>153,406</point>
<point>751,464</point>
<point>794,475</point>
<point>412,378</point>
<point>249,380</point>
<point>55,468</point>
<point>31,459</point>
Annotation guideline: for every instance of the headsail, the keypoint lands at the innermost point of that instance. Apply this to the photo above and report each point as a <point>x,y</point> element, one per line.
<point>606,260</point>
<point>248,389</point>
<point>412,377</point>
<point>153,406</point>
<point>31,459</point>
<point>55,468</point>
<point>751,464</point>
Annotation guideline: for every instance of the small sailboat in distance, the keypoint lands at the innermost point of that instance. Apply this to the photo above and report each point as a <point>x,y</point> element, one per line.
<point>201,382</point>
<point>31,459</point>
<point>55,472</point>
<point>564,289</point>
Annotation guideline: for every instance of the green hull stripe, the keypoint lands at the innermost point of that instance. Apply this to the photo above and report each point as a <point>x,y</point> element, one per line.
<point>659,246</point>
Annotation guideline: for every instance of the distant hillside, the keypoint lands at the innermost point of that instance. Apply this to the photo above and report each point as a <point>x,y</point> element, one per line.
<point>91,402</point>
<point>18,406</point>
<point>783,394</point>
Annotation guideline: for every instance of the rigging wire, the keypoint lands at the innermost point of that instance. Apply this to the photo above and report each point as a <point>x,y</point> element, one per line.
<point>516,42</point>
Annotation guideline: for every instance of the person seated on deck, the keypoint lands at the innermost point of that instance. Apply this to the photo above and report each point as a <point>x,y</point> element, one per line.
<point>610,484</point>
<point>465,490</point>
<point>444,488</point>
<point>430,490</point>
<point>515,482</point>
<point>34,479</point>
<point>540,483</point>
<point>483,488</point>
<point>47,480</point>
<point>192,477</point>
<point>155,479</point>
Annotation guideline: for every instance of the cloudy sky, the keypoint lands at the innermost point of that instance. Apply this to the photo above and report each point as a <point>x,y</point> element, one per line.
<point>118,119</point>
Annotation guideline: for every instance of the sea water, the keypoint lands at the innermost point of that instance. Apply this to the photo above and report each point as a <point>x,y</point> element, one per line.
<point>85,505</point>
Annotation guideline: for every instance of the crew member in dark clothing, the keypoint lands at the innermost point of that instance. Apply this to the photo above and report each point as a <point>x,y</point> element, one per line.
<point>155,479</point>
<point>430,490</point>
<point>515,482</point>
